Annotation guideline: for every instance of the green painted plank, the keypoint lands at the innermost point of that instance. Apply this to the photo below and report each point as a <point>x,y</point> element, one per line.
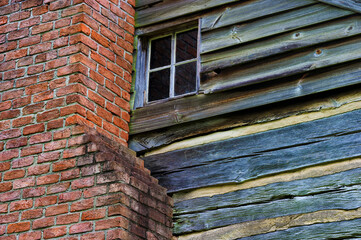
<point>347,198</point>
<point>334,230</point>
<point>239,159</point>
<point>281,66</point>
<point>175,8</point>
<point>265,27</point>
<point>201,106</point>
<point>338,29</point>
<point>270,192</point>
<point>245,11</point>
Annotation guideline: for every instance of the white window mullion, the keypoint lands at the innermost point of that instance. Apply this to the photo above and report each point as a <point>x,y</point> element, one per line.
<point>172,67</point>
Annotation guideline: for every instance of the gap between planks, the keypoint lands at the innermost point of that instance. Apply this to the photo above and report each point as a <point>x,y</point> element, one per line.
<point>261,127</point>
<point>274,224</point>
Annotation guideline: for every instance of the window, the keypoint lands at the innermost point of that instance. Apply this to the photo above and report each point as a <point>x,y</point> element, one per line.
<point>172,65</point>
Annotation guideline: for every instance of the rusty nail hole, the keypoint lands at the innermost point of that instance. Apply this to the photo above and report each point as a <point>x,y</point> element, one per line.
<point>318,51</point>
<point>350,28</point>
<point>297,34</point>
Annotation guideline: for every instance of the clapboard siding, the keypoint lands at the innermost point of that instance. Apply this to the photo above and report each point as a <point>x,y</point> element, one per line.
<point>242,33</point>
<point>282,66</point>
<point>245,11</point>
<point>302,196</point>
<point>353,5</point>
<point>247,157</point>
<point>338,29</point>
<point>334,230</point>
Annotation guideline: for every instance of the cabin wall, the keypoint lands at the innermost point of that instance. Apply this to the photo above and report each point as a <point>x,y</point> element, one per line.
<point>270,147</point>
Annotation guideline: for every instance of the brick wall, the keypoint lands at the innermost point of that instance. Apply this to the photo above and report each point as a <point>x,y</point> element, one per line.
<point>65,66</point>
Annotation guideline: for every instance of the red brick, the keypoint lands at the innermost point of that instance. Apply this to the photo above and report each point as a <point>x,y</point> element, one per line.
<point>43,222</point>
<point>111,223</point>
<point>26,151</point>
<point>16,54</point>
<point>40,10</point>
<point>7,66</point>
<point>28,23</point>
<point>20,102</point>
<point>31,3</point>
<point>18,34</point>
<point>82,183</point>
<point>46,57</point>
<point>45,201</point>
<point>39,138</point>
<point>55,145</point>
<point>23,183</point>
<point>48,115</point>
<point>69,196</point>
<point>31,214</point>
<point>68,218</point>
<point>54,232</point>
<point>38,169</point>
<point>63,165</point>
<point>12,133</point>
<point>5,105</point>
<point>3,208</point>
<point>35,69</point>
<point>7,186</point>
<point>14,174</point>
<point>42,28</point>
<point>8,218</point>
<point>30,235</point>
<point>93,214</point>
<point>33,192</point>
<point>63,22</point>
<point>64,133</point>
<point>81,227</point>
<point>52,35</point>
<point>21,205</point>
<point>82,205</point>
<point>34,129</point>
<point>47,179</point>
<point>73,152</point>
<point>56,210</point>
<point>22,162</point>
<point>95,191</point>
<point>59,4</point>
<point>12,94</point>
<point>18,227</point>
<point>39,48</point>
<point>15,143</point>
<point>70,174</point>
<point>34,108</point>
<point>93,236</point>
<point>25,61</point>
<point>56,188</point>
<point>22,121</point>
<point>14,74</point>
<point>55,124</point>
<point>4,166</point>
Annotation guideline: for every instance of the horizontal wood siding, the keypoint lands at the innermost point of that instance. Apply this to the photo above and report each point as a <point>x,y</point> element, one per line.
<point>248,157</point>
<point>335,230</point>
<point>337,191</point>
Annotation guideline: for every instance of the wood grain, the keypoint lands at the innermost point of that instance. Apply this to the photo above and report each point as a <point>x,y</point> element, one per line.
<point>265,27</point>
<point>248,157</point>
<point>341,28</point>
<point>353,5</point>
<point>337,191</point>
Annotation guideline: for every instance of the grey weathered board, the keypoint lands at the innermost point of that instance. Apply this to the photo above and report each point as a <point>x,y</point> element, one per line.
<point>340,28</point>
<point>353,5</point>
<point>157,138</point>
<point>247,157</point>
<point>290,20</point>
<point>142,3</point>
<point>200,106</point>
<point>334,230</point>
<point>245,11</point>
<point>174,8</point>
<point>274,200</point>
<point>280,66</point>
<point>271,192</point>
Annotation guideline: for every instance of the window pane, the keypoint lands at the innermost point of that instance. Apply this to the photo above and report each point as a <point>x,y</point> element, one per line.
<point>159,85</point>
<point>185,78</point>
<point>160,52</point>
<point>186,45</point>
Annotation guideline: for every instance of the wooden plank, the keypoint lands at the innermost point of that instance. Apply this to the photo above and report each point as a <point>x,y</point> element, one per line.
<point>286,42</point>
<point>248,157</point>
<point>271,192</point>
<point>143,3</point>
<point>173,9</point>
<point>333,230</point>
<point>283,65</point>
<point>353,5</point>
<point>245,11</point>
<point>327,197</point>
<point>265,27</point>
<point>200,106</point>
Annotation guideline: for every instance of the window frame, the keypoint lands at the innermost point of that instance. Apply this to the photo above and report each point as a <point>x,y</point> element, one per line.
<point>142,65</point>
<point>173,64</point>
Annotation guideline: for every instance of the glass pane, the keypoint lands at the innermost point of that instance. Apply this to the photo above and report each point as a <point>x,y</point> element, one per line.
<point>186,45</point>
<point>185,78</point>
<point>160,52</point>
<point>159,85</point>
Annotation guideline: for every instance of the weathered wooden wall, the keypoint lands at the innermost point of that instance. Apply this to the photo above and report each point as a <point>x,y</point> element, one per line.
<point>270,148</point>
